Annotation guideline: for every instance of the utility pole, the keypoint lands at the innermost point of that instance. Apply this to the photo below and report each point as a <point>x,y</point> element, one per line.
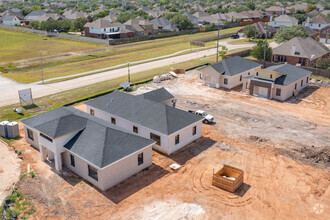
<point>190,41</point>
<point>42,71</point>
<point>129,76</point>
<point>265,48</point>
<point>217,55</point>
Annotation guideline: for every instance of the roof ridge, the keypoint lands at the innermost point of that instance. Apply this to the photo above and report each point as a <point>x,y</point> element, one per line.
<point>104,144</point>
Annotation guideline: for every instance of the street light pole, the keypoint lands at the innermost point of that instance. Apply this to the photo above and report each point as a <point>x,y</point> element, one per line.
<point>129,76</point>
<point>217,55</point>
<point>265,48</point>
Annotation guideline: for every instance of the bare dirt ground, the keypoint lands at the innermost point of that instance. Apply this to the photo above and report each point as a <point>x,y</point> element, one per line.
<point>283,149</point>
<point>9,170</point>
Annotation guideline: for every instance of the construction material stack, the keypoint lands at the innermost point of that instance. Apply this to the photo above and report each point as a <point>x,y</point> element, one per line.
<point>228,178</point>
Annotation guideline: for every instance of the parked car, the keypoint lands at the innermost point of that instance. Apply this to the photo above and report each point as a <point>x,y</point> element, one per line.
<point>234,36</point>
<point>207,118</point>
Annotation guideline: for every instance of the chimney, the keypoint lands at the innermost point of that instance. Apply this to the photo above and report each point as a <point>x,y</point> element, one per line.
<point>282,11</point>
<point>293,49</point>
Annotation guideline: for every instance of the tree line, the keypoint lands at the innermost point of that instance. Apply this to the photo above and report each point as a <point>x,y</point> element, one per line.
<point>63,25</point>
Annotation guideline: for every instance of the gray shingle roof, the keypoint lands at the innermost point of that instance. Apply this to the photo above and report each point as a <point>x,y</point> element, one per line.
<point>160,22</point>
<point>234,65</point>
<point>291,73</point>
<point>305,47</point>
<point>97,141</point>
<point>320,20</point>
<point>155,116</point>
<point>286,18</point>
<point>158,95</point>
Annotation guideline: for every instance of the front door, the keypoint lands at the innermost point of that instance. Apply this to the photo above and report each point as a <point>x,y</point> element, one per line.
<point>263,92</point>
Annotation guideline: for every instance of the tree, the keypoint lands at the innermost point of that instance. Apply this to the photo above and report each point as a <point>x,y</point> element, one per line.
<point>35,24</point>
<point>65,24</point>
<point>101,14</point>
<point>251,5</point>
<point>250,31</point>
<point>173,9</point>
<point>223,52</point>
<point>287,33</point>
<point>26,11</point>
<point>323,63</point>
<point>258,51</point>
<point>182,22</point>
<point>124,16</point>
<point>300,17</point>
<point>79,23</point>
<point>310,8</point>
<point>168,15</point>
<point>50,25</point>
<point>35,7</point>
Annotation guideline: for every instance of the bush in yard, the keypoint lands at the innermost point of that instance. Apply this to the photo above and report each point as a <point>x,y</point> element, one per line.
<point>250,31</point>
<point>323,63</point>
<point>182,22</point>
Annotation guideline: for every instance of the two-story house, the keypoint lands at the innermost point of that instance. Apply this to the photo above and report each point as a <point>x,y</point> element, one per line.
<point>283,21</point>
<point>318,22</point>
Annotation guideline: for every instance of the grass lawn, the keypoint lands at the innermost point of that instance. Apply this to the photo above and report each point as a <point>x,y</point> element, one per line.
<point>113,56</point>
<point>18,45</point>
<point>241,41</point>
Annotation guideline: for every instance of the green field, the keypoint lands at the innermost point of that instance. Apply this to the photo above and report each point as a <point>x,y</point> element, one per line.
<point>18,45</point>
<point>113,56</point>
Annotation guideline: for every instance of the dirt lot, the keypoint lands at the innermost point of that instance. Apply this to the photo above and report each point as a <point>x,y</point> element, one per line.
<point>9,170</point>
<point>283,149</point>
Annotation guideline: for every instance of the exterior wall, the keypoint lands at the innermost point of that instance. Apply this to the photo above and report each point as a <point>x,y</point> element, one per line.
<point>81,168</point>
<point>314,25</point>
<point>287,91</point>
<point>325,40</point>
<point>210,77</point>
<point>186,137</point>
<point>13,22</point>
<point>125,168</point>
<point>293,60</point>
<point>234,81</point>
<point>281,24</point>
<point>103,30</point>
<point>35,141</point>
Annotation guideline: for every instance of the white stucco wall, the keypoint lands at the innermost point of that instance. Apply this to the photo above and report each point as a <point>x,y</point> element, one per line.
<point>35,141</point>
<point>287,91</point>
<point>125,168</point>
<point>13,22</point>
<point>315,26</point>
<point>186,137</point>
<point>282,24</point>
<point>102,31</point>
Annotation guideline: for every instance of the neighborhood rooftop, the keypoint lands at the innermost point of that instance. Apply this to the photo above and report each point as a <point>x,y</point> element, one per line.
<point>234,65</point>
<point>291,73</point>
<point>153,115</point>
<point>97,141</point>
<point>158,95</point>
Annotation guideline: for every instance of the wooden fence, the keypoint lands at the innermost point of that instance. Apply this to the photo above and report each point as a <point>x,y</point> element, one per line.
<point>265,19</point>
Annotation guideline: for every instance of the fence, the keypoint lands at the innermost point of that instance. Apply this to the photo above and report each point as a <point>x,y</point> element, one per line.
<point>242,53</point>
<point>265,19</point>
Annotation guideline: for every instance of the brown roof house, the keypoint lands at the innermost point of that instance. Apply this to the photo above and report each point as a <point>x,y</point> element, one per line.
<point>262,29</point>
<point>300,51</point>
<point>141,26</point>
<point>275,10</point>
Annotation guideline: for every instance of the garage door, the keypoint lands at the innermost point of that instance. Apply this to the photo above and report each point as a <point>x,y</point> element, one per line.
<point>263,92</point>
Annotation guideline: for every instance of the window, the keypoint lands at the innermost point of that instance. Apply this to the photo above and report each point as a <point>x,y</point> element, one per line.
<point>113,120</point>
<point>225,81</point>
<point>140,159</point>
<point>301,84</point>
<point>240,78</point>
<point>92,172</point>
<point>135,129</point>
<point>30,134</point>
<point>92,112</point>
<point>177,139</point>
<point>72,160</point>
<point>271,76</point>
<point>285,59</point>
<point>257,73</point>
<point>300,60</point>
<point>156,138</point>
<point>248,73</point>
<point>278,92</point>
<point>319,25</point>
<point>194,130</point>
<point>295,86</point>
<point>200,76</point>
<point>47,138</point>
<point>307,79</point>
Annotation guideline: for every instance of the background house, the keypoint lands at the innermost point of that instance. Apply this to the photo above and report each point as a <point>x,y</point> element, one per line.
<point>277,82</point>
<point>103,28</point>
<point>96,150</point>
<point>171,128</point>
<point>318,22</point>
<point>283,21</point>
<point>227,73</point>
<point>300,51</point>
<point>11,20</point>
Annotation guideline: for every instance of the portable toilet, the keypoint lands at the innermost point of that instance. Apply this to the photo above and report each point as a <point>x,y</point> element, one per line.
<point>3,128</point>
<point>12,129</point>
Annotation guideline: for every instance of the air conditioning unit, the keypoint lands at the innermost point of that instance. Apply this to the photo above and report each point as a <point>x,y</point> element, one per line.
<point>3,128</point>
<point>12,130</point>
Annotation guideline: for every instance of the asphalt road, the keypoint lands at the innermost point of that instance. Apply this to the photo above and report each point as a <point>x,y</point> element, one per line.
<point>9,88</point>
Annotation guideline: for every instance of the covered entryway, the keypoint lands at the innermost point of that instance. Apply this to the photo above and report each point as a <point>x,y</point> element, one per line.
<point>262,92</point>
<point>261,88</point>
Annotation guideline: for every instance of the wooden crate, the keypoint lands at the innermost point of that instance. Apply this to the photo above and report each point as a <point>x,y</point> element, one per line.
<point>225,183</point>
